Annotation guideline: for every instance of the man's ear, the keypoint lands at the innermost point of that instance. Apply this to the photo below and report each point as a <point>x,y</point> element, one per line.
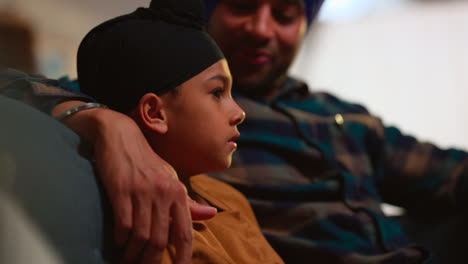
<point>152,113</point>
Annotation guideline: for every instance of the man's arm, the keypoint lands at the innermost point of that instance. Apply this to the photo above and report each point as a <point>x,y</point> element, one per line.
<point>416,173</point>
<point>143,188</point>
<point>38,91</point>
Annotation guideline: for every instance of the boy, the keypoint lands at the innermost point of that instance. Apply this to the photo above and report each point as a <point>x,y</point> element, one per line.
<point>158,66</point>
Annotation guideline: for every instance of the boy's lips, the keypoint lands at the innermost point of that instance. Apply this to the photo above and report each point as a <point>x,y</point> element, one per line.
<point>231,141</point>
<point>236,136</point>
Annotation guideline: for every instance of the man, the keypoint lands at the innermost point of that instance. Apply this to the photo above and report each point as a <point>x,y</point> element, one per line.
<point>314,168</point>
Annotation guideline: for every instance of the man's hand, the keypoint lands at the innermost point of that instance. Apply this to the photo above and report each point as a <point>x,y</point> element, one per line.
<point>144,190</point>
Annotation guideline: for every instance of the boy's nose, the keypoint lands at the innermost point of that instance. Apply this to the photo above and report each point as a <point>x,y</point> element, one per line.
<point>238,116</point>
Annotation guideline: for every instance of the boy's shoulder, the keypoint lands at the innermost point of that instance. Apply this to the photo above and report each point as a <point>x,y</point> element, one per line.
<point>219,194</point>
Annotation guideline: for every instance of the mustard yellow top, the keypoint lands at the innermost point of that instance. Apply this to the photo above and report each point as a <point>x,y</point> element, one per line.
<point>233,235</point>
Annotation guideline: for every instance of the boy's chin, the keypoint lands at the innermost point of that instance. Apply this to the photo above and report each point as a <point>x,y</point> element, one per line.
<point>215,166</point>
<point>222,165</point>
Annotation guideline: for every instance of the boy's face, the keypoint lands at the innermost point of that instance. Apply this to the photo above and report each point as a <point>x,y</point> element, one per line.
<point>202,121</point>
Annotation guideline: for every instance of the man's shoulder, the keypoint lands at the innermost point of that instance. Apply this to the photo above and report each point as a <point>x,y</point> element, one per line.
<point>298,94</point>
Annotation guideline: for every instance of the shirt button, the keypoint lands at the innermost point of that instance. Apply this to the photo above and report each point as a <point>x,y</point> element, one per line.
<point>339,120</point>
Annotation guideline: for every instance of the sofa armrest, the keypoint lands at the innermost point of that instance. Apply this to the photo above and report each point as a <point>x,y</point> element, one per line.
<point>47,176</point>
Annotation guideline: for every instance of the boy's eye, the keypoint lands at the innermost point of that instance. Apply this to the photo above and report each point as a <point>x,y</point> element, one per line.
<point>217,92</point>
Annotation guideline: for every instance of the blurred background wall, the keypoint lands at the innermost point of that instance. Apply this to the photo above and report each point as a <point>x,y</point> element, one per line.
<point>406,60</point>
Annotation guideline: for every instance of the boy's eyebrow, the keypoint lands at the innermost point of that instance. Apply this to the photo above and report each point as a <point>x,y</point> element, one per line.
<point>220,77</point>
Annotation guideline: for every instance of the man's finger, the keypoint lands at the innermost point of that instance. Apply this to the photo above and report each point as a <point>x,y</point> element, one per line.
<point>141,229</point>
<point>201,212</point>
<point>159,237</point>
<point>123,219</point>
<point>182,233</point>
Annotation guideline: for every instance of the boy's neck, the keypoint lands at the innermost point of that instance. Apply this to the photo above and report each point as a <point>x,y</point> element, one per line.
<point>191,193</point>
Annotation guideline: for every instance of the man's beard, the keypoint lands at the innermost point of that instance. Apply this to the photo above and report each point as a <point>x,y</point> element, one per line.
<point>262,87</point>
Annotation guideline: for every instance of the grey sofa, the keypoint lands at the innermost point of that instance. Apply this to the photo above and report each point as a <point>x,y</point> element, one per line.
<point>51,207</point>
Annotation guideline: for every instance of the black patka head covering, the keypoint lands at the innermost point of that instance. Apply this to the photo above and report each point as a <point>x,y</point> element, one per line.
<point>150,50</point>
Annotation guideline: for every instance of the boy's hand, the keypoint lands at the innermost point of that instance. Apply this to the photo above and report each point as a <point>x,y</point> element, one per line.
<point>144,190</point>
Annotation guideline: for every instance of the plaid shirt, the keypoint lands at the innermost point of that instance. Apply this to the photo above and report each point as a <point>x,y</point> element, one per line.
<point>38,91</point>
<point>316,170</point>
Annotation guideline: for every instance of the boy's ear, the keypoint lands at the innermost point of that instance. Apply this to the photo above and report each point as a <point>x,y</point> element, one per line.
<point>152,113</point>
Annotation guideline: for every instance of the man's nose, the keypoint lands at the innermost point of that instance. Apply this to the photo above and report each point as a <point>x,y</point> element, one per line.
<point>260,24</point>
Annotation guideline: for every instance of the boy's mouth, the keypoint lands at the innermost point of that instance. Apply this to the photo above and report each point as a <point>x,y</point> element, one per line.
<point>231,141</point>
<point>236,136</point>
